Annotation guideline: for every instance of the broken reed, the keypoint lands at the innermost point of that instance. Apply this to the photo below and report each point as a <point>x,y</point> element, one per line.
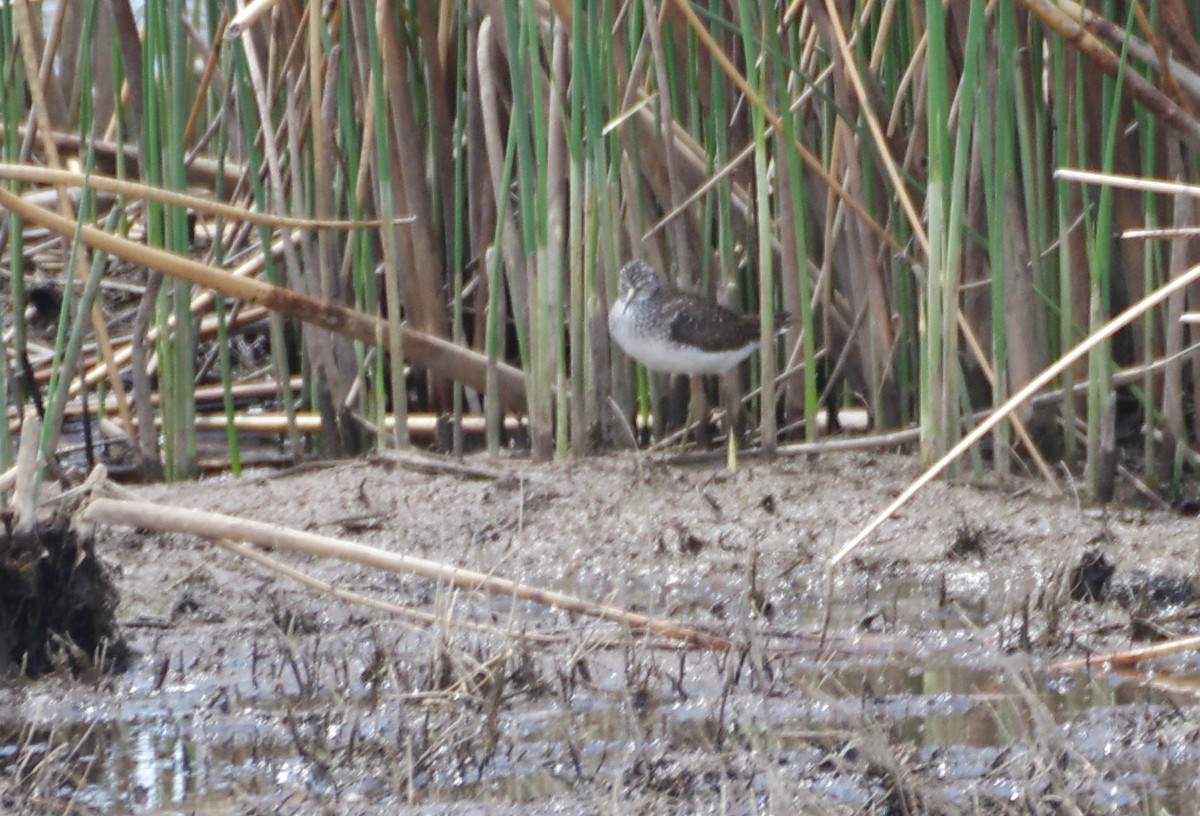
<point>890,190</point>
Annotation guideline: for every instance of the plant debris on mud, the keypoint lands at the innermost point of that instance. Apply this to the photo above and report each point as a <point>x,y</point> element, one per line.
<point>58,604</point>
<point>930,691</point>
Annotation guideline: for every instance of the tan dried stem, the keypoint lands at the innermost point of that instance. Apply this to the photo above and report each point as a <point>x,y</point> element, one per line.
<point>98,181</point>
<point>148,516</point>
<point>806,155</point>
<point>1058,16</point>
<point>1130,657</point>
<point>430,352</point>
<point>24,502</point>
<point>1016,401</point>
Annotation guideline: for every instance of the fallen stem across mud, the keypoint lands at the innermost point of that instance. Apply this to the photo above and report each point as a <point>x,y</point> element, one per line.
<point>218,526</point>
<point>421,348</point>
<point>1130,657</point>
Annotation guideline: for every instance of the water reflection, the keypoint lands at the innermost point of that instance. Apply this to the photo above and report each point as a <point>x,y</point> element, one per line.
<point>236,732</point>
<point>960,716</point>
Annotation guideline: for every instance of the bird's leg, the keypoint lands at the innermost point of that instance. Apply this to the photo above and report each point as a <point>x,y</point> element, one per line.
<point>731,402</point>
<point>698,411</point>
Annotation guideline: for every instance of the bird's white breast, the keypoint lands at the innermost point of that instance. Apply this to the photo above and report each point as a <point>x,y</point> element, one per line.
<point>659,353</point>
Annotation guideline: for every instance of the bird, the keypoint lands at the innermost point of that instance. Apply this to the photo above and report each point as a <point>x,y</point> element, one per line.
<point>676,332</point>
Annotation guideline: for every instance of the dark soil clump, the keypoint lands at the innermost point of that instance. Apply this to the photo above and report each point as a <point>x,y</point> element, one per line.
<point>1090,576</point>
<point>1155,591</point>
<point>58,605</point>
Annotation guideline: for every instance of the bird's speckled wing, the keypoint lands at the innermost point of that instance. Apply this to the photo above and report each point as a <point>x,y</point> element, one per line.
<point>709,326</point>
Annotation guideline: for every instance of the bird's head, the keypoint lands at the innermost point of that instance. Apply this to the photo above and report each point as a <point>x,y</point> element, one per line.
<point>638,281</point>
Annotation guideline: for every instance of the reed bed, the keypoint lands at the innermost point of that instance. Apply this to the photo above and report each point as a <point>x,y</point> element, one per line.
<point>396,223</point>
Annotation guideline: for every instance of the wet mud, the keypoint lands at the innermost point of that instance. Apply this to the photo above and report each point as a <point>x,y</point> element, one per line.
<point>927,685</point>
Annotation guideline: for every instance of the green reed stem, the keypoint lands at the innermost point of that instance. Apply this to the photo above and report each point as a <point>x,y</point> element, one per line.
<point>996,153</point>
<point>1064,125</point>
<point>573,411</point>
<point>494,265</point>
<point>12,97</point>
<point>69,344</point>
<point>757,67</point>
<point>391,249</point>
<point>939,279</point>
<point>1100,273</point>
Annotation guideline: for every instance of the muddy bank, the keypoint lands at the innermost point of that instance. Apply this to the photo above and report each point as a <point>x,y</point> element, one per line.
<point>934,693</point>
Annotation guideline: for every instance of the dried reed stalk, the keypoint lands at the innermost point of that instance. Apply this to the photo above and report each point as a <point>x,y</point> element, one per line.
<point>1014,402</point>
<point>1130,657</point>
<point>218,526</point>
<point>32,174</point>
<point>423,349</point>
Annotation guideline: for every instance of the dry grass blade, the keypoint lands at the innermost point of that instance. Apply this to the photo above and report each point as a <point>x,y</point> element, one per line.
<point>1016,400</point>
<point>45,175</point>
<point>424,350</point>
<point>1147,185</point>
<point>1130,657</point>
<point>418,615</point>
<point>215,525</point>
<point>1168,112</point>
<point>809,159</point>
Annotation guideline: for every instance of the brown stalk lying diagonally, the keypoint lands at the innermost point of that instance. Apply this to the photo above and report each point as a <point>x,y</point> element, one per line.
<point>150,516</point>
<point>435,353</point>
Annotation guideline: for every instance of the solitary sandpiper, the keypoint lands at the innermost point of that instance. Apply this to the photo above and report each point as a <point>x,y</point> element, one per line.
<point>666,329</point>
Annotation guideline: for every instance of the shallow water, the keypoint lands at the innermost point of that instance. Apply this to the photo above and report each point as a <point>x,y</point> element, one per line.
<point>251,692</point>
<point>223,737</point>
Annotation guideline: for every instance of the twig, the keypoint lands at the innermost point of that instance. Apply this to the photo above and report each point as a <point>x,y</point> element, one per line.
<point>435,465</point>
<point>25,496</point>
<point>421,348</point>
<point>1130,657</point>
<point>418,615</point>
<point>1106,331</point>
<point>215,525</point>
